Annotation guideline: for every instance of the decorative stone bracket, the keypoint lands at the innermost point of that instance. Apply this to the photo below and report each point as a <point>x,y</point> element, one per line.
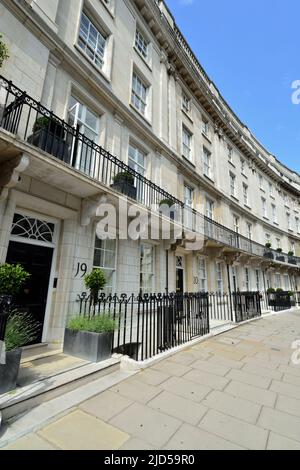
<point>10,173</point>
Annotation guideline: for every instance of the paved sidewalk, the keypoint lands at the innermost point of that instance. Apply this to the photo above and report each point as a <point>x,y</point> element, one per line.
<point>238,390</point>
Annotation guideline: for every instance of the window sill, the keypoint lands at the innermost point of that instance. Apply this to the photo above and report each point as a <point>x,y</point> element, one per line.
<point>291,230</point>
<point>248,207</point>
<point>209,178</point>
<point>275,223</point>
<point>85,56</point>
<point>187,115</point>
<point>266,218</point>
<point>140,114</point>
<point>244,175</point>
<point>148,63</point>
<point>188,161</point>
<point>207,137</point>
<point>273,197</point>
<point>287,206</point>
<point>263,190</point>
<point>232,164</point>
<point>235,198</point>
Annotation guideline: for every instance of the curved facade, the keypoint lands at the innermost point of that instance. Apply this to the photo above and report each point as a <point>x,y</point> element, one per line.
<point>121,73</point>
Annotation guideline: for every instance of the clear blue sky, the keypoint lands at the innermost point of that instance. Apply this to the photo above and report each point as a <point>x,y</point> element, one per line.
<point>251,50</point>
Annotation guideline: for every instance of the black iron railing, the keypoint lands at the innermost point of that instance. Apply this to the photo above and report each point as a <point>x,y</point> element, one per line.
<point>281,300</point>
<point>22,115</point>
<point>247,305</point>
<point>31,121</point>
<point>147,325</point>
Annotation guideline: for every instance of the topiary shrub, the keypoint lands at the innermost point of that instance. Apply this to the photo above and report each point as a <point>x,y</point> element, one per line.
<point>124,176</point>
<point>12,278</point>
<point>95,281</point>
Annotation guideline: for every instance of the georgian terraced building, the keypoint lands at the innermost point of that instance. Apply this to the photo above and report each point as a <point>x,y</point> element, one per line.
<point>131,93</point>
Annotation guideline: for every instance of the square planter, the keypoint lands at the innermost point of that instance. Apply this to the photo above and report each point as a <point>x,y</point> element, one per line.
<point>292,261</point>
<point>269,255</point>
<point>93,347</point>
<point>280,258</point>
<point>9,371</point>
<point>51,143</point>
<point>125,188</point>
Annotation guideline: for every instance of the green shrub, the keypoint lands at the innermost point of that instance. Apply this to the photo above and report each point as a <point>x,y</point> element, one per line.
<point>95,281</point>
<point>21,329</point>
<point>124,176</point>
<point>167,202</point>
<point>279,250</point>
<point>12,278</point>
<point>97,324</point>
<point>268,245</point>
<point>271,290</point>
<point>279,290</point>
<point>4,55</point>
<point>291,254</point>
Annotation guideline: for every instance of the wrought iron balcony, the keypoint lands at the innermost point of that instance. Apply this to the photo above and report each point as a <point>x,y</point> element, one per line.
<point>23,116</point>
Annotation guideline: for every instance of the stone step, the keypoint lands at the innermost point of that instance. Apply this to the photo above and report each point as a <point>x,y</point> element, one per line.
<point>38,392</point>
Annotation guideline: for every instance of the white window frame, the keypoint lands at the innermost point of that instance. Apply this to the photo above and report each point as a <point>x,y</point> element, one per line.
<point>141,44</point>
<point>274,214</point>
<point>206,127</point>
<point>232,184</point>
<point>108,289</point>
<point>207,160</point>
<point>264,207</point>
<point>249,230</point>
<point>230,153</point>
<point>209,208</point>
<point>151,273</point>
<point>236,223</point>
<point>247,279</point>
<point>85,42</point>
<point>246,194</point>
<point>297,224</point>
<point>185,102</point>
<point>202,271</point>
<point>81,125</point>
<point>139,94</point>
<point>289,221</point>
<point>219,277</point>
<point>187,143</point>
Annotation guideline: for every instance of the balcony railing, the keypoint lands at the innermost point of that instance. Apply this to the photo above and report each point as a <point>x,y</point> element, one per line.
<point>23,116</point>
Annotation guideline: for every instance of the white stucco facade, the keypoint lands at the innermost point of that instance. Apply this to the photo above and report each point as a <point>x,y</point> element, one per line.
<point>194,147</point>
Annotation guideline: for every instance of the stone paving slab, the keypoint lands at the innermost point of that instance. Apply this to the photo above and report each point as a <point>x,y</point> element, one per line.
<point>233,406</point>
<point>278,442</point>
<point>238,390</point>
<point>30,442</point>
<point>190,438</point>
<point>239,432</point>
<point>181,408</point>
<point>78,430</point>
<point>147,424</point>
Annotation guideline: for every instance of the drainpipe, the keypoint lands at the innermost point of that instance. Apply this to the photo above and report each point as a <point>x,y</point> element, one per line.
<point>229,289</point>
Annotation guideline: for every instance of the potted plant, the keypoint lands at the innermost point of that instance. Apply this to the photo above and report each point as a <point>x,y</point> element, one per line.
<point>292,298</point>
<point>12,278</point>
<point>90,338</point>
<point>291,258</point>
<point>167,208</point>
<point>3,51</point>
<point>49,135</point>
<point>268,252</point>
<point>124,183</point>
<point>21,329</point>
<point>280,257</point>
<point>95,281</point>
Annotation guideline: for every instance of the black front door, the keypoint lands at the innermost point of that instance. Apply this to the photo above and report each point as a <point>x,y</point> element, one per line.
<point>179,281</point>
<point>36,260</point>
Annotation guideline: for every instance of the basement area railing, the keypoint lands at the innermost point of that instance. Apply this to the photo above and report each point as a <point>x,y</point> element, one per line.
<point>148,325</point>
<point>32,122</point>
